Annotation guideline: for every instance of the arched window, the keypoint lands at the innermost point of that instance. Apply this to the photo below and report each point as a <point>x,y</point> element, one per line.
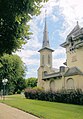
<point>45,73</point>
<point>52,85</point>
<point>70,83</point>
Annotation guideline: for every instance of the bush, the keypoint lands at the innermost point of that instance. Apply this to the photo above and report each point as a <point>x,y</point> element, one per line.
<point>33,93</point>
<point>64,96</point>
<point>31,82</point>
<point>18,91</point>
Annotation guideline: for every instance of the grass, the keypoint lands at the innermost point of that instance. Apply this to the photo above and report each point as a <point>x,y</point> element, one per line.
<point>44,109</point>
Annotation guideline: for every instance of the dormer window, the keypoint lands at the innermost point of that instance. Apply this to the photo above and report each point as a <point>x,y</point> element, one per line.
<point>81,38</point>
<point>71,41</point>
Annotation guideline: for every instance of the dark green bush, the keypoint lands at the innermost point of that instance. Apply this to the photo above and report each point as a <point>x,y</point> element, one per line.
<point>18,91</point>
<point>64,96</point>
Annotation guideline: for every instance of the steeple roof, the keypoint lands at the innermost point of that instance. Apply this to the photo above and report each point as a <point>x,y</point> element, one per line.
<point>45,37</point>
<point>45,44</point>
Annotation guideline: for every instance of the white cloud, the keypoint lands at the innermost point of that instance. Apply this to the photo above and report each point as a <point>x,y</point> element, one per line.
<point>54,18</point>
<point>29,62</point>
<point>27,53</point>
<point>58,51</point>
<point>34,43</point>
<point>71,10</point>
<point>31,72</point>
<point>58,62</point>
<point>48,6</point>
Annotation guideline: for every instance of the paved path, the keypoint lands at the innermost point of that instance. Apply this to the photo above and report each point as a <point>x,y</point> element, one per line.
<point>7,112</point>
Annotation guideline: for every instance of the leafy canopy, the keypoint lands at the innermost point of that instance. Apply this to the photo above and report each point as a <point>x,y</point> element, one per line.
<point>31,82</point>
<point>12,68</point>
<point>13,17</point>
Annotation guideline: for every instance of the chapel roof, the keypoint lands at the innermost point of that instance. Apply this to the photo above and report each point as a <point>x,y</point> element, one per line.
<point>55,75</point>
<point>75,29</point>
<point>76,34</point>
<point>73,71</point>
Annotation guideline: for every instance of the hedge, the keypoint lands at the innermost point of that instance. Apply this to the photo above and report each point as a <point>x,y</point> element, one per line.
<point>63,96</point>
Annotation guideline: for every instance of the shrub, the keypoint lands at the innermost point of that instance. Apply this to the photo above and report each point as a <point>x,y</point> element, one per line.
<point>33,93</point>
<point>18,91</point>
<point>64,96</point>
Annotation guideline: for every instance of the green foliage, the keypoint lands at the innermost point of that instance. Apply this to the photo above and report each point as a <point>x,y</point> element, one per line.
<point>13,17</point>
<point>21,84</point>
<point>12,69</point>
<point>33,93</point>
<point>31,82</point>
<point>45,109</point>
<point>64,96</point>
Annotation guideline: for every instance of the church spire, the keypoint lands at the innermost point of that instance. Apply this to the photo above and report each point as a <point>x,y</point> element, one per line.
<point>45,35</point>
<point>45,44</point>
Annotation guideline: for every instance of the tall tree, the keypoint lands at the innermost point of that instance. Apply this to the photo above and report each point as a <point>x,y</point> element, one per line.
<point>31,82</point>
<point>13,17</point>
<point>12,68</point>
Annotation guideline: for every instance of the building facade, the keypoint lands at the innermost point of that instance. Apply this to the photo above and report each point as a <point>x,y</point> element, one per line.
<point>69,76</point>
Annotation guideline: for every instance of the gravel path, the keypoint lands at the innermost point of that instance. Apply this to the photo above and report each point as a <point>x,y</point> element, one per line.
<point>7,112</point>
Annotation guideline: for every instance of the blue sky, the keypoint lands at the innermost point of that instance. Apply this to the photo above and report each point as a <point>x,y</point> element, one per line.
<point>62,16</point>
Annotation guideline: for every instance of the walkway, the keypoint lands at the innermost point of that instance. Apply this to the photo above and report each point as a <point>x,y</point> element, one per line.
<point>7,112</point>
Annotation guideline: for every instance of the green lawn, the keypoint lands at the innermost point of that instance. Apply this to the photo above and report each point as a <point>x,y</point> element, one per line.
<point>47,110</point>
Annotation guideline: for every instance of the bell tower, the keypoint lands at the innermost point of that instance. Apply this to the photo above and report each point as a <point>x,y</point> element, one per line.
<point>45,57</point>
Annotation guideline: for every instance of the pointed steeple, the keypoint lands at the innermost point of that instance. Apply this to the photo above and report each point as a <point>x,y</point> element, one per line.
<point>45,44</point>
<point>45,36</point>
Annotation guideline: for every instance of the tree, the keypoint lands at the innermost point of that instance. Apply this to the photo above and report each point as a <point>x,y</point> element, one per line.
<point>21,84</point>
<point>31,82</point>
<point>13,17</point>
<point>13,69</point>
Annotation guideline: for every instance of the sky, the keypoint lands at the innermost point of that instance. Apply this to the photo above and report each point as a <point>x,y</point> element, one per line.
<point>62,16</point>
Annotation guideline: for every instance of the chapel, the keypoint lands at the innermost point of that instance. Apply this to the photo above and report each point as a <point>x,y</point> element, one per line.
<point>69,76</point>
